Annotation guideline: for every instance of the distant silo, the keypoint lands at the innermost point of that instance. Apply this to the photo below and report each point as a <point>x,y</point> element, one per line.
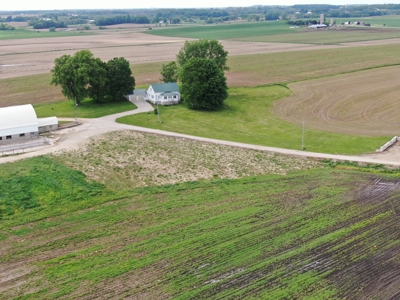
<point>321,19</point>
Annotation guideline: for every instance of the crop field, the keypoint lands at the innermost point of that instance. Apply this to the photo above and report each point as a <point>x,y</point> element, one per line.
<point>225,31</point>
<point>280,32</point>
<point>30,34</point>
<point>381,21</point>
<point>245,69</point>
<point>316,234</point>
<point>247,118</point>
<point>339,35</point>
<point>362,103</point>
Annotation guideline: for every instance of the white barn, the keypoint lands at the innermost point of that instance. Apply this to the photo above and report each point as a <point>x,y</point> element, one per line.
<point>163,93</point>
<point>20,123</point>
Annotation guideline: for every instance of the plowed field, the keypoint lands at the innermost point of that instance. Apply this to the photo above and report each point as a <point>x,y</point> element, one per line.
<point>363,103</point>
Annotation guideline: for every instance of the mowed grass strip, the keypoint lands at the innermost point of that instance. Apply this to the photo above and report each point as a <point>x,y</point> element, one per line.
<point>266,237</point>
<point>247,118</point>
<point>87,109</point>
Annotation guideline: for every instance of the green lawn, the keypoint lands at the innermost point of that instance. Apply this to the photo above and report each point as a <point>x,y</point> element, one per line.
<point>266,237</point>
<point>248,119</point>
<point>87,109</point>
<point>27,34</point>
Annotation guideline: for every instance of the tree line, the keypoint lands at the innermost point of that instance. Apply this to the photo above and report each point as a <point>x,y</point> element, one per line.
<point>122,20</point>
<point>82,75</point>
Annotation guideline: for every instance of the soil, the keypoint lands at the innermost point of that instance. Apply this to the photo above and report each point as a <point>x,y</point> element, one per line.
<point>363,103</point>
<point>25,57</point>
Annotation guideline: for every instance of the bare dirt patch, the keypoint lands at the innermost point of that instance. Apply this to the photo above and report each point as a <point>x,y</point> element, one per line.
<point>362,103</point>
<point>131,159</point>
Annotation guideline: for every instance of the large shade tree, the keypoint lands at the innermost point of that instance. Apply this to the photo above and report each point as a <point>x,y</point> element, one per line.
<point>203,49</point>
<point>82,75</point>
<point>120,79</point>
<point>72,73</point>
<point>203,84</point>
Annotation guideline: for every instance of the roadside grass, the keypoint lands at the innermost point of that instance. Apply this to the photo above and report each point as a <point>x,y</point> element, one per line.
<point>87,108</point>
<point>28,34</point>
<point>328,37</point>
<point>247,118</point>
<point>225,31</point>
<point>261,237</point>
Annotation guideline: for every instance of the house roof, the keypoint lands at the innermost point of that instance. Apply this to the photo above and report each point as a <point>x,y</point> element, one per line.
<point>169,93</point>
<point>139,92</point>
<point>18,119</point>
<point>165,87</point>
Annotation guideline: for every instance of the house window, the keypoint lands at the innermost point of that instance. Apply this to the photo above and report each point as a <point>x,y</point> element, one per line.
<point>174,97</point>
<point>165,97</point>
<point>32,133</point>
<point>8,137</point>
<point>1,138</point>
<point>22,134</point>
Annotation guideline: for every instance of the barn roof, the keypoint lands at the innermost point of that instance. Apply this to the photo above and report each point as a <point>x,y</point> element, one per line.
<point>17,119</point>
<point>47,121</point>
<point>165,87</point>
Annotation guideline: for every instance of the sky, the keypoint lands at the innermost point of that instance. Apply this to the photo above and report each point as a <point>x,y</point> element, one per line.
<point>120,4</point>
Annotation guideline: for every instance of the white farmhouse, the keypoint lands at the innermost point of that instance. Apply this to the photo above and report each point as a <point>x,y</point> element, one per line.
<point>163,93</point>
<point>20,123</point>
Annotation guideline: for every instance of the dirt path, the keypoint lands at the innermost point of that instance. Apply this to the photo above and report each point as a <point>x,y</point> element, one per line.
<point>72,138</point>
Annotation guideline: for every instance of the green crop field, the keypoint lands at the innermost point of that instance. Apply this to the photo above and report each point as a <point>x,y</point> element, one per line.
<point>331,36</point>
<point>302,235</point>
<point>248,119</point>
<point>226,31</point>
<point>280,32</point>
<point>28,34</point>
<point>381,21</point>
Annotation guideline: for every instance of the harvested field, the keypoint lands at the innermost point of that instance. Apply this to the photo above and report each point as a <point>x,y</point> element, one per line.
<point>24,57</point>
<point>362,103</point>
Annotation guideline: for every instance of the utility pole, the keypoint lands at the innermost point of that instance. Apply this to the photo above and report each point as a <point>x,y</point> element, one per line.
<point>76,111</point>
<point>158,113</point>
<point>302,139</point>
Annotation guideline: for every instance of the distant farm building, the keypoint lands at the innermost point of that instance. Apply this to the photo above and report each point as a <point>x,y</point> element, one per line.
<point>318,26</point>
<point>20,124</point>
<point>163,93</point>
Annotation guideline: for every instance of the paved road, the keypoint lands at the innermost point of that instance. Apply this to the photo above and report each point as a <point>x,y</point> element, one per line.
<point>71,138</point>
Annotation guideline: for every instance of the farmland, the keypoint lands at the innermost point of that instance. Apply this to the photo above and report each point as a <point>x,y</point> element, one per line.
<point>320,233</point>
<point>362,103</point>
<point>143,216</point>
